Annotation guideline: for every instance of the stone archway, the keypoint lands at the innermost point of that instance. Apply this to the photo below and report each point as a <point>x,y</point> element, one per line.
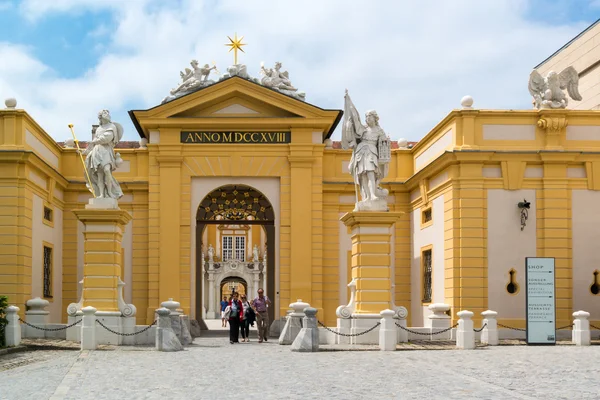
<point>232,283</point>
<point>235,204</point>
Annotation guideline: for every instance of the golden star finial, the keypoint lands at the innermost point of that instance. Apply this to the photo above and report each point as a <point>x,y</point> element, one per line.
<point>235,45</point>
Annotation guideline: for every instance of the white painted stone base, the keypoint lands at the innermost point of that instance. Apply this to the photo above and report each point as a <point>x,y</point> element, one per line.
<point>112,320</point>
<point>362,322</point>
<point>102,204</point>
<point>73,333</point>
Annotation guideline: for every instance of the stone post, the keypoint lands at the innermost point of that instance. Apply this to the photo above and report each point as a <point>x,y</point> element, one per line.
<point>88,329</point>
<point>177,323</point>
<point>489,334</point>
<point>581,328</point>
<point>371,260</point>
<point>438,319</point>
<point>12,331</point>
<point>36,316</point>
<point>308,337</point>
<point>104,226</point>
<point>166,340</point>
<point>293,323</point>
<point>387,331</point>
<point>465,337</point>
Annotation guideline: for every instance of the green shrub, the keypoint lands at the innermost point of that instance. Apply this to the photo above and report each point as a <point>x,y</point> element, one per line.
<point>3,320</point>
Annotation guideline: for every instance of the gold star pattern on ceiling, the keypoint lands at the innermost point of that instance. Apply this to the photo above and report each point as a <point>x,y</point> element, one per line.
<point>235,45</point>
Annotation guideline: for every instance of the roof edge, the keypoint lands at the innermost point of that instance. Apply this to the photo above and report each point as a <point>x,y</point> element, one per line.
<point>568,43</point>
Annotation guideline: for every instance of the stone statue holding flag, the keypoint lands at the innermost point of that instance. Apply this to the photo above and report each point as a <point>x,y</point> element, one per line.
<point>371,153</point>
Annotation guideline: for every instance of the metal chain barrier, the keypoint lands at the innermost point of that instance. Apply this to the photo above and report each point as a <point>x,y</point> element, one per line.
<point>595,327</point>
<point>480,329</point>
<point>50,329</point>
<point>349,334</point>
<point>510,327</point>
<point>565,327</point>
<point>127,334</point>
<point>426,333</point>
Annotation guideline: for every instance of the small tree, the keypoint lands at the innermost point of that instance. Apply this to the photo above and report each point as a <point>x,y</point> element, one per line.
<point>3,320</point>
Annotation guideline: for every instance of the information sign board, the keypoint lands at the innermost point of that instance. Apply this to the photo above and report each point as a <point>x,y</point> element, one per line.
<point>541,300</point>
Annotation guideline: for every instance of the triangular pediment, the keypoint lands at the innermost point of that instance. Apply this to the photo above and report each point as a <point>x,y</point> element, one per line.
<point>235,104</point>
<point>237,100</point>
<point>235,108</point>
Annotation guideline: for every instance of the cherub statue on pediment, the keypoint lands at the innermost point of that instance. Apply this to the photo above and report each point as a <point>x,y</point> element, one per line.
<point>548,92</point>
<point>279,80</point>
<point>192,79</point>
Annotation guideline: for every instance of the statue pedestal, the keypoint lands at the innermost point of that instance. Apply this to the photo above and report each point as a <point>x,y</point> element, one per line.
<point>104,225</point>
<point>371,259</point>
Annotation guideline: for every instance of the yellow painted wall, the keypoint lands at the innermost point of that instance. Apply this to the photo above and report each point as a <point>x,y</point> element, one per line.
<point>506,148</point>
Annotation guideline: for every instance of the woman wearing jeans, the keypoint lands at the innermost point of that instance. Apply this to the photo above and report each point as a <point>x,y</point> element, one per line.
<point>247,319</point>
<point>236,315</point>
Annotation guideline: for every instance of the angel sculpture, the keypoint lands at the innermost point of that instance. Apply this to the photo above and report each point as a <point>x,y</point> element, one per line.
<point>194,79</point>
<point>101,159</point>
<point>275,78</point>
<point>548,92</point>
<point>371,153</point>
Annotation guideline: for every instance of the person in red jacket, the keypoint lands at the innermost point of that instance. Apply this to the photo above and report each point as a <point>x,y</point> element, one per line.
<point>235,316</point>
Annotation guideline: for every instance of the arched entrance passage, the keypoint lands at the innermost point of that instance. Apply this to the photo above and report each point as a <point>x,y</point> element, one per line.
<point>236,204</point>
<point>231,284</point>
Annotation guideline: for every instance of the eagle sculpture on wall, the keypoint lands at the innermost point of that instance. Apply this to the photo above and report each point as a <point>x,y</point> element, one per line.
<point>548,92</point>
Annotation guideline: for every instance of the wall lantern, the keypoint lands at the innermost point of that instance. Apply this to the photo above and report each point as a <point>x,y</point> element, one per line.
<point>524,207</point>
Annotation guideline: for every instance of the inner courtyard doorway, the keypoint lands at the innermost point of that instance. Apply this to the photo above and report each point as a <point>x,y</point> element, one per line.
<point>235,248</point>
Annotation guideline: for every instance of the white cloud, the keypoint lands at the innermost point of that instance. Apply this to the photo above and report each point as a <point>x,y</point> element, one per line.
<point>410,61</point>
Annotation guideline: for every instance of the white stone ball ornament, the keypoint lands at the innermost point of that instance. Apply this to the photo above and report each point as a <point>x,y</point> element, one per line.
<point>11,103</point>
<point>467,102</point>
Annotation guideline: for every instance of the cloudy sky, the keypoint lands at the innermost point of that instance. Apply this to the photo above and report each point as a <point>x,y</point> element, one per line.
<point>412,61</point>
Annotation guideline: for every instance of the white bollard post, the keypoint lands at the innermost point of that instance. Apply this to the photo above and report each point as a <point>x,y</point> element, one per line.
<point>581,328</point>
<point>12,331</point>
<point>88,329</point>
<point>308,338</point>
<point>387,331</point>
<point>166,339</point>
<point>489,334</point>
<point>293,323</point>
<point>465,337</point>
<point>36,316</point>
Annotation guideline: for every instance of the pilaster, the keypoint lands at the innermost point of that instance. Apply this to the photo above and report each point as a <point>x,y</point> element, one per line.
<point>371,258</point>
<point>553,204</point>
<point>169,217</point>
<point>301,163</point>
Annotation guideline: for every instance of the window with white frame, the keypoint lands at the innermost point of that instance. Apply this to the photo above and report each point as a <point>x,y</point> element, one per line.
<point>240,248</point>
<point>227,248</point>
<point>234,247</point>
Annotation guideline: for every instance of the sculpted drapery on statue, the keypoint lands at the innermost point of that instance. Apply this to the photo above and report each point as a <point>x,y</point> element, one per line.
<point>101,159</point>
<point>371,153</point>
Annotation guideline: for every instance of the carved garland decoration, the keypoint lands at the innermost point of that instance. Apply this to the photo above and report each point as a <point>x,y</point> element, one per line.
<point>235,203</point>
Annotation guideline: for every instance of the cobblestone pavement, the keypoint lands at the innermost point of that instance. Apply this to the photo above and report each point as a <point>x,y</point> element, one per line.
<point>270,371</point>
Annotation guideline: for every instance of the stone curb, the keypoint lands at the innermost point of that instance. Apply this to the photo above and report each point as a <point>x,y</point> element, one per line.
<point>15,349</point>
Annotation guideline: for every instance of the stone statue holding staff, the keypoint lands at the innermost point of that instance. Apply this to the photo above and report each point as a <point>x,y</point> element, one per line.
<point>101,159</point>
<point>371,153</point>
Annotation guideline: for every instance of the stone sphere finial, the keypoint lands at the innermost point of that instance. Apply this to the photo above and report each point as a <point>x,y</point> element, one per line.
<point>466,102</point>
<point>328,144</point>
<point>143,143</point>
<point>402,143</point>
<point>11,103</point>
<point>69,143</point>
